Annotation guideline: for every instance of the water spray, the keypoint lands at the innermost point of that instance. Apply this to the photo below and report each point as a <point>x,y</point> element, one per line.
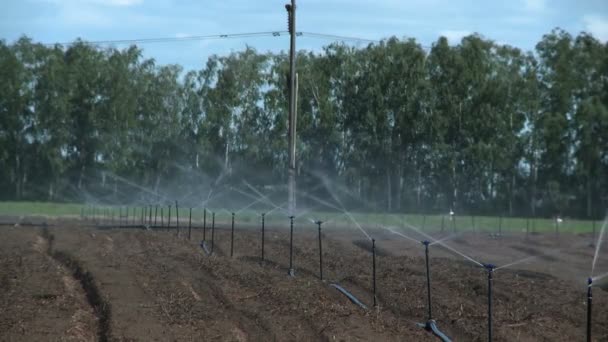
<point>291,270</point>
<point>320,251</point>
<point>232,237</point>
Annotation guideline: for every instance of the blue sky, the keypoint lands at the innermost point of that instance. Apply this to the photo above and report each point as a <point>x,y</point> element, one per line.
<point>516,22</point>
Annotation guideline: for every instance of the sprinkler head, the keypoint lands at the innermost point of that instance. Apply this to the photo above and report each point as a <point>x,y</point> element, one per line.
<point>590,281</point>
<point>489,267</point>
<point>425,242</point>
<point>319,222</point>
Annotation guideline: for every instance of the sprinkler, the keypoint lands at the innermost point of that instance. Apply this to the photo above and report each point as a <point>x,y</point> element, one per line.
<point>232,237</point>
<point>589,302</point>
<point>291,270</point>
<point>490,268</point>
<point>263,215</point>
<point>374,269</point>
<point>320,251</point>
<point>212,230</point>
<point>190,225</point>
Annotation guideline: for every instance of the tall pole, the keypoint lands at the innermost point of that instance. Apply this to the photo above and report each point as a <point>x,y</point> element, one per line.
<point>291,20</point>
<point>589,302</point>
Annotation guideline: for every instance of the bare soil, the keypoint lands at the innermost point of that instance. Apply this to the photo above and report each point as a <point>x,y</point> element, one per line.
<point>71,282</point>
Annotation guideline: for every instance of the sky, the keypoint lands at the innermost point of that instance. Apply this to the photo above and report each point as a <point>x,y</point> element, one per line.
<point>520,23</point>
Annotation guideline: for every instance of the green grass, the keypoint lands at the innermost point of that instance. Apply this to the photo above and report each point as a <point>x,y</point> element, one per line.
<point>366,220</point>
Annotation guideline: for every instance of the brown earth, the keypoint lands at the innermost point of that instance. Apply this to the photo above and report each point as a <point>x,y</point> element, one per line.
<point>69,282</point>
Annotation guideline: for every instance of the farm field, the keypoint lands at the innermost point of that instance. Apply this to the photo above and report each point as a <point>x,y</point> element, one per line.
<point>71,280</point>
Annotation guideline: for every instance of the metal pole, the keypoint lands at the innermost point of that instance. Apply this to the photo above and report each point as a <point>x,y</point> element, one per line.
<point>428,279</point>
<point>204,223</point>
<point>190,225</point>
<point>374,268</point>
<point>169,219</point>
<point>291,271</point>
<point>232,237</point>
<point>320,252</point>
<point>589,302</point>
<point>176,219</point>
<point>490,269</point>
<point>212,230</point>
<point>291,13</point>
<point>155,212</point>
<point>263,214</point>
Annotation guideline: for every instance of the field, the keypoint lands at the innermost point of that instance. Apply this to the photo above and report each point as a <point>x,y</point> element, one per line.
<point>71,279</point>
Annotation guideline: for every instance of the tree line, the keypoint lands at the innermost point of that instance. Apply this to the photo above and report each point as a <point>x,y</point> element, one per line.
<point>477,127</point>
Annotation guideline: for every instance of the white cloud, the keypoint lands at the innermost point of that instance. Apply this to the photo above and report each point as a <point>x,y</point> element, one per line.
<point>535,5</point>
<point>597,26</point>
<point>454,36</point>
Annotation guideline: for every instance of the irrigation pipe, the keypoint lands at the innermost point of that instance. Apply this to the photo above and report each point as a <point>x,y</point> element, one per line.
<point>432,326</point>
<point>204,247</point>
<point>349,296</point>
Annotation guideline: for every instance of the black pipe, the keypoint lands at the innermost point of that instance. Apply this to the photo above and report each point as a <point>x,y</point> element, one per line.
<point>126,219</point>
<point>155,212</point>
<point>176,219</point>
<point>500,225</point>
<point>428,279</point>
<point>169,219</point>
<point>374,268</point>
<point>162,219</point>
<point>490,268</point>
<point>204,223</point>
<point>589,302</point>
<point>232,237</point>
<point>212,230</point>
<point>143,209</point>
<point>593,235</point>
<point>263,214</point>
<point>320,252</point>
<point>190,225</point>
<point>473,222</point>
<point>150,216</point>
<point>291,271</point>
